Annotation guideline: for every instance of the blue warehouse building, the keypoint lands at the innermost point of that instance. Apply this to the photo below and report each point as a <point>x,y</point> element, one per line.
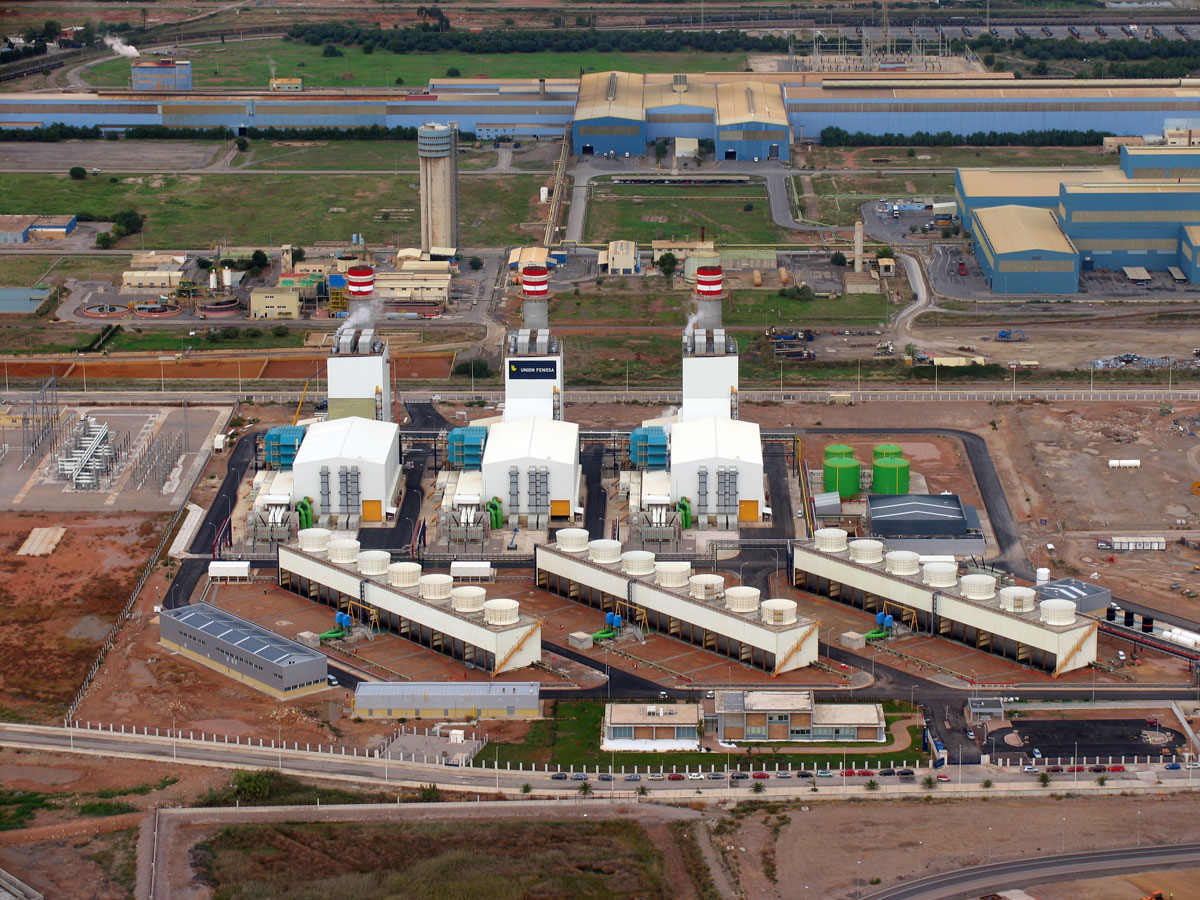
<point>161,75</point>
<point>1035,231</point>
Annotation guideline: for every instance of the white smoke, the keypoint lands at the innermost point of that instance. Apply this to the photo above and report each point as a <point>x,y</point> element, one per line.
<point>362,314</point>
<point>271,65</point>
<point>119,47</point>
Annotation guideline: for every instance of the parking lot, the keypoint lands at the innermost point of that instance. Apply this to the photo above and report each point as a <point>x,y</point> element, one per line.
<point>1090,738</point>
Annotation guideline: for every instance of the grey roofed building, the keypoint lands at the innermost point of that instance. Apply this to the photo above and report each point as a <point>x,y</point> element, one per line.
<point>1086,596</point>
<point>223,640</point>
<point>921,515</point>
<point>473,699</point>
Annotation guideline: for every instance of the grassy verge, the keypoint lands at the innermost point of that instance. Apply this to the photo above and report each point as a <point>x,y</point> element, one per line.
<point>870,158</point>
<point>17,808</point>
<point>840,196</point>
<point>766,307</point>
<point>26,271</point>
<point>228,338</point>
<point>117,856</point>
<point>251,64</point>
<point>281,156</point>
<point>670,212</point>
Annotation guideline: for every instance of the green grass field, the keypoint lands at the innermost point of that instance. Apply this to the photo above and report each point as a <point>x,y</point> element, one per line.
<point>191,211</point>
<point>25,271</point>
<point>840,196</point>
<point>280,156</point>
<point>659,212</point>
<point>766,307</point>
<point>131,338</point>
<point>250,64</point>
<point>951,157</point>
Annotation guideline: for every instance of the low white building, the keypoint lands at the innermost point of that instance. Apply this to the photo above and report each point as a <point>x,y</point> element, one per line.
<point>717,464</point>
<point>359,376</point>
<point>532,465</point>
<point>348,466</point>
<point>653,727</point>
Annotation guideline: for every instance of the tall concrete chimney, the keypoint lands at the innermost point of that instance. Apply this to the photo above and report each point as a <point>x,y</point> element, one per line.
<point>858,245</point>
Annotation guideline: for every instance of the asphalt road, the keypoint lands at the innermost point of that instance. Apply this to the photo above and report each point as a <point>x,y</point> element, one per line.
<point>1024,872</point>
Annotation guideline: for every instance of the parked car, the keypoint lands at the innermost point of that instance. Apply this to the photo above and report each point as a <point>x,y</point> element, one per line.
<point>1116,768</point>
<point>716,776</point>
<point>559,776</point>
<point>1174,766</point>
<point>865,773</point>
<point>1076,769</point>
<point>709,695</point>
<point>824,773</point>
<point>579,776</point>
<point>761,775</point>
<point>633,777</point>
<point>962,268</point>
<point>1032,770</point>
<point>1036,753</point>
<point>695,776</point>
<point>887,772</point>
<point>675,776</point>
<point>1192,765</point>
<point>738,776</point>
<point>1054,769</point>
<point>1098,768</point>
<point>656,776</point>
<point>944,778</point>
<point>970,735</point>
<point>604,776</point>
<point>906,773</point>
<point>848,772</point>
<point>783,773</point>
<point>804,773</point>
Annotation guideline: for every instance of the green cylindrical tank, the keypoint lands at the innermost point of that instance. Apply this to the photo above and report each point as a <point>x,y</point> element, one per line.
<point>890,476</point>
<point>834,451</point>
<point>842,475</point>
<point>884,451</point>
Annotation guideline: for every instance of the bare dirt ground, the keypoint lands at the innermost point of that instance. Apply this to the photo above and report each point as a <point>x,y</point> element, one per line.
<point>1179,883</point>
<point>837,848</point>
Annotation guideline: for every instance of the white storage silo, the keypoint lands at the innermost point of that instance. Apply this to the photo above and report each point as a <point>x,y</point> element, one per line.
<point>902,562</point>
<point>742,599</point>
<point>706,587</point>
<point>978,586</point>
<point>435,587</point>
<point>778,611</point>
<point>343,551</point>
<point>314,540</point>
<point>467,598</point>
<point>1043,576</point>
<point>637,562</point>
<point>501,611</point>
<point>572,540</point>
<point>604,552</point>
<point>672,574</point>
<point>830,540</point>
<point>1057,612</point>
<point>940,574</point>
<point>374,562</point>
<point>867,552</point>
<point>404,574</point>
<point>1018,599</point>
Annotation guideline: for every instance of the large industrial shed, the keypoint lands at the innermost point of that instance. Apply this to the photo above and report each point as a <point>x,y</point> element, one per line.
<point>454,701</point>
<point>532,465</point>
<point>349,467</point>
<point>718,465</point>
<point>929,524</point>
<point>681,108</point>
<point>610,117</point>
<point>752,121</point>
<point>243,651</point>
<point>1023,250</point>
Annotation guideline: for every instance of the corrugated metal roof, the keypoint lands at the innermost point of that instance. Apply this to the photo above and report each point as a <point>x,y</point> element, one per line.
<point>443,690</point>
<point>1135,187</point>
<point>548,439</point>
<point>750,101</point>
<point>729,439</point>
<point>1031,182</point>
<point>1015,229</point>
<point>698,93</point>
<point>351,438</point>
<point>246,636</point>
<point>614,94</point>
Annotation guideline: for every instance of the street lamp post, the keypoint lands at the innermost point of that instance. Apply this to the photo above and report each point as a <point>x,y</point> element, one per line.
<point>279,744</point>
<point>989,845</point>
<point>173,754</point>
<point>1139,828</point>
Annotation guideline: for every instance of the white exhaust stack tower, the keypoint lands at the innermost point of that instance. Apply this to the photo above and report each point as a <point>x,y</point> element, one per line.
<point>710,361</point>
<point>533,370</point>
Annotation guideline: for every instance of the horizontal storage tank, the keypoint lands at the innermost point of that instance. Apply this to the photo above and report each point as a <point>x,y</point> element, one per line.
<point>501,611</point>
<point>1057,612</point>
<point>902,562</point>
<point>572,540</point>
<point>842,475</point>
<point>1018,599</point>
<point>672,573</point>
<point>867,552</point>
<point>374,562</point>
<point>435,587</point>
<point>976,587</point>
<point>887,451</point>
<point>604,552</point>
<point>404,574</point>
<point>742,599</point>
<point>833,451</point>
<point>343,551</point>
<point>314,540</point>
<point>940,575</point>
<point>706,587</point>
<point>778,611</point>
<point>637,562</point>
<point>830,540</point>
<point>467,598</point>
<point>890,476</point>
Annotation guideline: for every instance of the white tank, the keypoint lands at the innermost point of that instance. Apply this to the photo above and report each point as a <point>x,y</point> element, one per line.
<point>866,552</point>
<point>1043,576</point>
<point>374,562</point>
<point>940,575</point>
<point>468,598</point>
<point>404,574</point>
<point>672,573</point>
<point>830,540</point>
<point>314,540</point>
<point>977,587</point>
<point>1018,599</point>
<point>501,612</point>
<point>742,599</point>
<point>435,587</point>
<point>343,551</point>
<point>778,612</point>
<point>604,552</point>
<point>1057,612</point>
<point>572,540</point>
<point>902,562</point>
<point>706,587</point>
<point>637,562</point>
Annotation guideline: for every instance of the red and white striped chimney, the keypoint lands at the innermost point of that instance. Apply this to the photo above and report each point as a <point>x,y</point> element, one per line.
<point>535,281</point>
<point>710,282</point>
<point>360,282</point>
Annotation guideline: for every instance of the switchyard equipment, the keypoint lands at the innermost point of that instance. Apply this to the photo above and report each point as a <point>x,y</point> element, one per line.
<point>154,462</point>
<point>90,458</point>
<point>40,421</point>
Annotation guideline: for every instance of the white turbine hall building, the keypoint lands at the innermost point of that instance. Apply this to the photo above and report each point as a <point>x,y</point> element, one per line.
<point>718,465</point>
<point>665,597</point>
<point>349,467</point>
<point>488,634</point>
<point>932,599</point>
<point>358,374</point>
<point>532,465</point>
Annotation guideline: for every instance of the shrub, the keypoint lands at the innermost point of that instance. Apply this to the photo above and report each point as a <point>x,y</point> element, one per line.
<point>747,207</point>
<point>251,786</point>
<point>453,72</point>
<point>475,263</point>
<point>242,144</point>
<point>104,240</point>
<point>838,258</point>
<point>79,173</point>
<point>475,367</point>
<point>279,331</point>
<point>331,51</point>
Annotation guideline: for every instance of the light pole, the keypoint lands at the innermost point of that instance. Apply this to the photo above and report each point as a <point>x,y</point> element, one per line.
<point>1139,828</point>
<point>279,744</point>
<point>173,754</point>
<point>1075,762</point>
<point>989,845</point>
<point>1062,847</point>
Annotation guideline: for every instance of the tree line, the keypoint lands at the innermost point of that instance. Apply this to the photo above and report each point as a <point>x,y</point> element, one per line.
<point>832,136</point>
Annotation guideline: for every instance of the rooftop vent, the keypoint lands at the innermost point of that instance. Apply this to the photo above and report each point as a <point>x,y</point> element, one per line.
<point>611,94</point>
